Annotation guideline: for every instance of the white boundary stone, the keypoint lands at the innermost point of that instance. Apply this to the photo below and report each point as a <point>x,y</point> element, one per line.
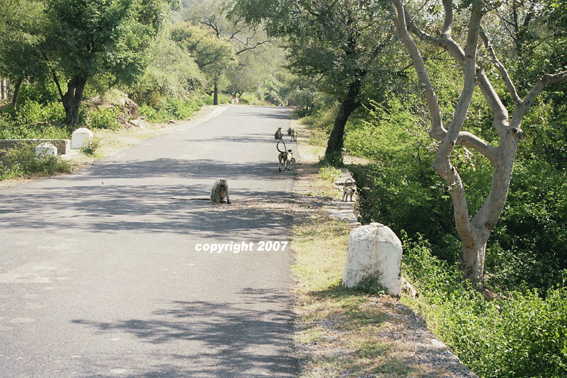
<point>374,251</point>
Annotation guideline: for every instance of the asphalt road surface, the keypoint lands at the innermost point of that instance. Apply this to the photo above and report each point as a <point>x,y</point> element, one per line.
<point>108,272</point>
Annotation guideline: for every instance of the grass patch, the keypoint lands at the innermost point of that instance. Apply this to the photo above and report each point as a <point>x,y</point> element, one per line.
<point>351,332</point>
<point>341,331</point>
<point>21,161</point>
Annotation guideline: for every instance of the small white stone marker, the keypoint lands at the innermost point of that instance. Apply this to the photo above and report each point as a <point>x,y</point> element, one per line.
<point>45,148</point>
<point>81,138</point>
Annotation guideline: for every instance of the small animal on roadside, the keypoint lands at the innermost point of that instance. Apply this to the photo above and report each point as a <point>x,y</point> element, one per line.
<point>290,131</point>
<point>349,189</point>
<point>219,193</point>
<point>294,136</point>
<point>408,289</point>
<point>279,134</point>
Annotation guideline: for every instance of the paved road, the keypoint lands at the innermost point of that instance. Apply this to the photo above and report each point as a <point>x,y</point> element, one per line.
<point>106,273</point>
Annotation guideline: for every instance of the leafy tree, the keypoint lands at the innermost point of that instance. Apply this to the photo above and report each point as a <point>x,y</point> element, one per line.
<point>86,39</point>
<point>171,73</point>
<point>473,232</point>
<point>251,46</point>
<point>213,55</point>
<point>21,23</point>
<point>345,45</point>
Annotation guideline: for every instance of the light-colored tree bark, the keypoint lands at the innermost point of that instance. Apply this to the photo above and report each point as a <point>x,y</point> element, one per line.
<point>474,232</point>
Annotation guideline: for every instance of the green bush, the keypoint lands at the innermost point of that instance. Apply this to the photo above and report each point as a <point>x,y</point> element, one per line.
<point>32,112</point>
<point>33,121</point>
<point>409,197</point>
<point>520,336</point>
<point>390,132</point>
<point>21,161</point>
<point>8,130</point>
<point>530,242</point>
<point>250,99</point>
<point>170,109</point>
<point>104,118</point>
<point>180,109</point>
<point>322,119</point>
<point>330,173</point>
<point>43,92</point>
<point>91,147</point>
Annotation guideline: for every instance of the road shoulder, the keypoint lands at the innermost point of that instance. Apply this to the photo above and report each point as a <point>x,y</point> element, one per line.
<point>341,332</point>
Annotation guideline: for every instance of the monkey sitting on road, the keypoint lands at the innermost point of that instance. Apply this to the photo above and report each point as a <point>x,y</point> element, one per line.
<point>219,193</point>
<point>290,131</point>
<point>293,136</point>
<point>349,190</point>
<point>279,134</point>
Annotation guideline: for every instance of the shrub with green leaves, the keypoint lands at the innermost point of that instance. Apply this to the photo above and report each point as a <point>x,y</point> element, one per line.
<point>21,160</point>
<point>104,118</point>
<point>389,132</point>
<point>91,147</point>
<point>9,130</point>
<point>179,109</point>
<point>329,173</point>
<point>33,121</point>
<point>223,99</point>
<point>522,335</point>
<point>529,243</point>
<point>32,112</point>
<point>170,109</point>
<point>403,191</point>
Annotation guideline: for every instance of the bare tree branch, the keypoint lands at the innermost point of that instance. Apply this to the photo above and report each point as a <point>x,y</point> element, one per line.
<point>248,48</point>
<point>437,130</point>
<point>442,162</point>
<point>448,20</point>
<point>503,71</point>
<point>545,80</point>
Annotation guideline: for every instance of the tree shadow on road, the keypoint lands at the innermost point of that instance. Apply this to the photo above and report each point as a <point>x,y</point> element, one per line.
<point>101,199</point>
<point>201,169</point>
<point>153,209</point>
<point>244,339</point>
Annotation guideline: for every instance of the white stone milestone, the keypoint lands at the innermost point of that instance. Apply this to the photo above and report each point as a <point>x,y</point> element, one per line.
<point>374,251</point>
<point>45,148</point>
<point>81,138</point>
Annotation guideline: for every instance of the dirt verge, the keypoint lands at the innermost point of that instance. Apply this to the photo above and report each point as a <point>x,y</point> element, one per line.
<point>345,333</point>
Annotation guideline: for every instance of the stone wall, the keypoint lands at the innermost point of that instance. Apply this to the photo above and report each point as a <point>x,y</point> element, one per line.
<point>63,145</point>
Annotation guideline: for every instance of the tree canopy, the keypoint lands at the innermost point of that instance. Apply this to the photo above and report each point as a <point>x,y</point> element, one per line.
<point>345,45</point>
<point>87,40</point>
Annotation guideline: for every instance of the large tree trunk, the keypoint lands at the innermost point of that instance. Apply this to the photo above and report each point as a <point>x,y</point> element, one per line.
<point>216,94</point>
<point>17,87</point>
<point>334,151</point>
<point>72,99</point>
<point>474,233</point>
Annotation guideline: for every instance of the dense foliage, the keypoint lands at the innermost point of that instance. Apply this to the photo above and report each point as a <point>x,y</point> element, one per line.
<point>345,47</point>
<point>170,61</point>
<point>22,160</point>
<point>521,335</point>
